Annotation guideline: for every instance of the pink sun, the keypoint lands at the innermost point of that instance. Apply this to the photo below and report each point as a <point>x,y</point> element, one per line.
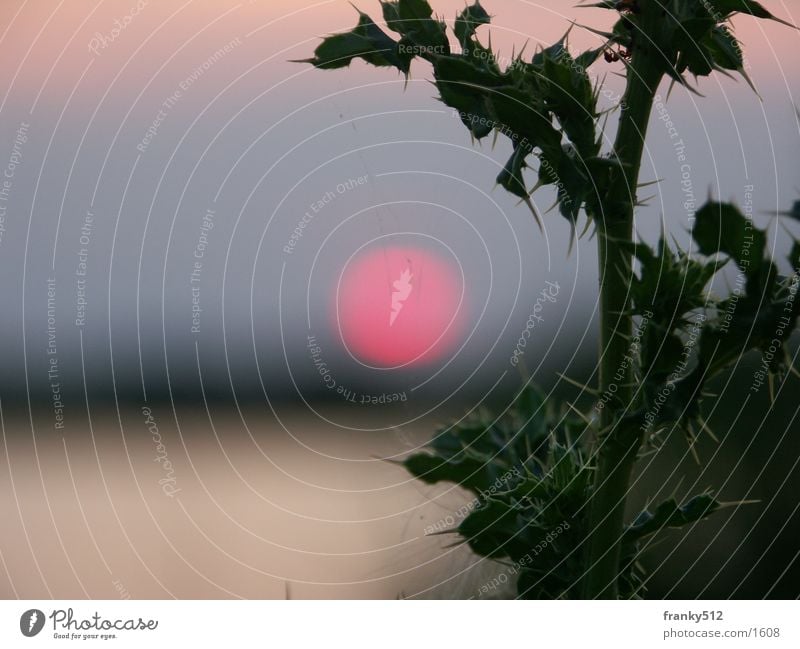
<point>399,306</point>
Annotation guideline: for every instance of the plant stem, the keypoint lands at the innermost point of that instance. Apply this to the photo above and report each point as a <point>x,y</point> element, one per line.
<point>618,447</point>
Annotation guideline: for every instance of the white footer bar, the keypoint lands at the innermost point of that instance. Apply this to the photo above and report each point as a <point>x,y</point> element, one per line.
<point>400,624</point>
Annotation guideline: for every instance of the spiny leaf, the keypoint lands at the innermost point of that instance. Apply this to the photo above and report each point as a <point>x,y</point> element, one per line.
<point>431,469</point>
<point>466,87</point>
<point>414,9</point>
<point>722,228</point>
<point>468,21</point>
<point>669,283</point>
<point>794,213</point>
<point>728,7</point>
<point>366,41</point>
<point>480,450</point>
<point>413,20</point>
<point>525,120</point>
<point>585,59</point>
<point>391,13</point>
<point>725,50</point>
<point>490,529</point>
<point>603,4</point>
<point>670,514</point>
<point>794,256</point>
<point>569,95</point>
<point>510,178</point>
<point>569,175</point>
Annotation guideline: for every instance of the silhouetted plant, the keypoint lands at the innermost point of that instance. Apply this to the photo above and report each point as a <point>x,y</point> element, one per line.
<point>663,335</point>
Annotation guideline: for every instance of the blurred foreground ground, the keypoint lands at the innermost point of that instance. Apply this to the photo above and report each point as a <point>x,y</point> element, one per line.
<point>313,516</point>
<point>301,508</point>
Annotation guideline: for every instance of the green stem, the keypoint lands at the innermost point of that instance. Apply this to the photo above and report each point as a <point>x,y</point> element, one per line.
<point>618,448</point>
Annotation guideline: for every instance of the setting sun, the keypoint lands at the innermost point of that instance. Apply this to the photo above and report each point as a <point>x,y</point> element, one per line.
<point>399,305</point>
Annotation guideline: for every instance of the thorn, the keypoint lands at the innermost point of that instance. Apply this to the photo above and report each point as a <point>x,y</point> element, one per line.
<point>524,47</point>
<point>785,229</point>
<point>675,241</point>
<point>586,388</point>
<point>675,490</point>
<point>694,453</point>
<point>749,81</point>
<point>622,274</point>
<point>606,35</point>
<point>783,22</point>
<point>658,431</point>
<point>739,503</point>
<point>536,216</point>
<point>453,530</point>
<point>586,227</point>
<point>651,182</point>
<point>627,338</point>
<point>551,208</point>
<point>583,417</point>
<point>453,545</point>
<point>605,114</point>
<point>707,429</point>
<point>572,237</point>
<point>388,460</point>
<point>644,201</point>
<point>564,38</point>
<point>723,72</point>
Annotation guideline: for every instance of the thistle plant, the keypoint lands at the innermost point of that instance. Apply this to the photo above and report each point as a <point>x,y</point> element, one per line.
<point>663,334</point>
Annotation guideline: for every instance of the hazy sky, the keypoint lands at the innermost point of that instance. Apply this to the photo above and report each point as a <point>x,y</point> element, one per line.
<point>140,136</point>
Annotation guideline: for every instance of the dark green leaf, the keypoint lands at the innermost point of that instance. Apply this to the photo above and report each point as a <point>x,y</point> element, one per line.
<point>468,21</point>
<point>422,34</point>
<point>794,256</point>
<point>724,49</point>
<point>465,87</point>
<point>414,10</point>
<point>724,8</point>
<point>669,514</point>
<point>468,473</point>
<point>584,60</point>
<point>366,41</point>
<point>794,213</point>
<point>489,529</point>
<point>525,120</point>
<point>510,178</point>
<point>722,228</point>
